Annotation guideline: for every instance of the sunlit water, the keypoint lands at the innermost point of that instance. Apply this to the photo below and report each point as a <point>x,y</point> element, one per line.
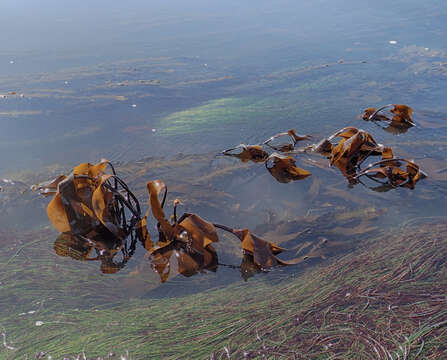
<point>136,84</point>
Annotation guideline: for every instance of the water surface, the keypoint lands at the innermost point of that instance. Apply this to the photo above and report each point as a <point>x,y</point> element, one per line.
<point>160,89</point>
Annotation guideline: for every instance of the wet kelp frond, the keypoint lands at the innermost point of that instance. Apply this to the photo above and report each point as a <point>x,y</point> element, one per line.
<point>89,198</point>
<point>185,244</point>
<point>283,168</point>
<point>397,172</point>
<point>96,213</point>
<point>246,153</point>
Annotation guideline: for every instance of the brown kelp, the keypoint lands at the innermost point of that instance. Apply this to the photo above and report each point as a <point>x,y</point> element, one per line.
<point>399,120</point>
<point>281,166</point>
<point>347,149</point>
<point>100,220</point>
<point>354,146</point>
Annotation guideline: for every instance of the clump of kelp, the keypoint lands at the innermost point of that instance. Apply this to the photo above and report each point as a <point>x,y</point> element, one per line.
<point>347,149</point>
<point>100,219</point>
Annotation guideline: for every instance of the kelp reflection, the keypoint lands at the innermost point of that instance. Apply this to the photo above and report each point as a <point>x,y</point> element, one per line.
<point>112,252</point>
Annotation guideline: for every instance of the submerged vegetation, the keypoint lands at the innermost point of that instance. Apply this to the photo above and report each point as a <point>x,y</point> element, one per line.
<point>386,300</point>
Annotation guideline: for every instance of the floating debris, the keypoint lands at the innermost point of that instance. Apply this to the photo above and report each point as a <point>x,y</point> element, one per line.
<point>393,42</point>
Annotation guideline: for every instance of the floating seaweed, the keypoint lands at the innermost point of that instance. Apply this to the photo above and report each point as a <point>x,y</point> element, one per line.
<point>399,121</point>
<point>392,173</point>
<point>89,198</point>
<point>282,167</point>
<point>246,153</point>
<point>353,147</point>
<point>99,217</point>
<point>356,145</point>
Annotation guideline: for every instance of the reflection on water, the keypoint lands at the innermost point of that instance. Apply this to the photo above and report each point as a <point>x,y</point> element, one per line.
<point>103,247</point>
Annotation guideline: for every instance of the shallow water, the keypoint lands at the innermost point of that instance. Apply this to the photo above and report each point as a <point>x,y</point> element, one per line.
<point>159,91</point>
